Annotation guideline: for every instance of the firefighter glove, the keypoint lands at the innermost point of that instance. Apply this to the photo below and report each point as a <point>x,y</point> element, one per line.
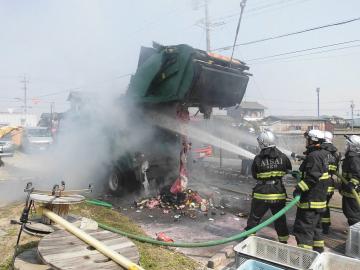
<point>296,192</point>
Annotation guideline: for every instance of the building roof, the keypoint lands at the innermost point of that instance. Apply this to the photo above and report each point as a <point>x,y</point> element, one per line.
<point>294,118</point>
<point>252,105</point>
<point>332,117</point>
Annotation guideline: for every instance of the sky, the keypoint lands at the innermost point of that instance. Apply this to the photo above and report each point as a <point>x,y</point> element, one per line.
<point>93,45</point>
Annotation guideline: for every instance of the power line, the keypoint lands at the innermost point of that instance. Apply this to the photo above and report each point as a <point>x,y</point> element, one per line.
<point>268,5</point>
<point>232,16</point>
<point>76,88</point>
<point>56,93</point>
<point>290,34</point>
<point>303,50</point>
<point>301,55</point>
<point>314,58</point>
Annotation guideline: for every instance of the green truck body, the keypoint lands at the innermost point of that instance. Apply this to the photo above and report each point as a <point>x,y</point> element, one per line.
<point>166,77</point>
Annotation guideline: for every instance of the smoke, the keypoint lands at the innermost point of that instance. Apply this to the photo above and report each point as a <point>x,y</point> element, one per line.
<point>91,138</point>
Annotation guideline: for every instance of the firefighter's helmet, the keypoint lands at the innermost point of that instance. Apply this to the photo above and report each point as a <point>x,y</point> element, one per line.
<point>314,136</point>
<point>328,136</point>
<point>353,143</point>
<point>266,139</point>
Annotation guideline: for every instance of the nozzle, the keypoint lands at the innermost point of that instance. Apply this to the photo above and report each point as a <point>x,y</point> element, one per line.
<point>296,156</point>
<point>28,186</point>
<point>15,222</point>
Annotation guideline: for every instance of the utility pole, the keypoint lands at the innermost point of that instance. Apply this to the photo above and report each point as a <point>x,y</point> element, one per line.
<point>25,81</point>
<point>352,106</point>
<point>207,25</point>
<point>318,101</point>
<point>52,104</point>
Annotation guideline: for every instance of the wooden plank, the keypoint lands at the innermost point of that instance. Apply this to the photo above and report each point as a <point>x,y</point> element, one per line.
<point>62,250</point>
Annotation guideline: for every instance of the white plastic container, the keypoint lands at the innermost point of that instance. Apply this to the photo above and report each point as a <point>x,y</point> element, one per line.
<point>353,241</point>
<point>274,253</point>
<point>331,261</point>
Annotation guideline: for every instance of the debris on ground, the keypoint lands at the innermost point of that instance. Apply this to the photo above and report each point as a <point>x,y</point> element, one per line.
<point>163,237</point>
<point>187,200</point>
<point>242,215</point>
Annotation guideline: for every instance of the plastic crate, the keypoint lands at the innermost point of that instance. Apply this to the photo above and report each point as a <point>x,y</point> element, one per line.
<point>353,241</point>
<point>330,261</point>
<point>274,253</point>
<point>256,265</point>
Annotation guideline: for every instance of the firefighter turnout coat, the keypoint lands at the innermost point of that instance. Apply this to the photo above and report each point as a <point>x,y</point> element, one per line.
<point>351,172</point>
<point>315,179</point>
<point>333,159</point>
<point>313,188</point>
<point>270,166</point>
<point>269,193</point>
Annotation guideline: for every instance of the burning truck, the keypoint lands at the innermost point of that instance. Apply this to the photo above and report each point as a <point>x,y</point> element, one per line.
<point>169,80</point>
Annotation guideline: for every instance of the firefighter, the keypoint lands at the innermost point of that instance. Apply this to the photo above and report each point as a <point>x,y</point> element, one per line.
<point>333,159</point>
<point>268,168</point>
<point>313,191</point>
<point>351,172</point>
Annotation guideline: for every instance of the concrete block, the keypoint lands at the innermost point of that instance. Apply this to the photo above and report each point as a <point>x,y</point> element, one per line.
<point>229,252</point>
<point>216,260</point>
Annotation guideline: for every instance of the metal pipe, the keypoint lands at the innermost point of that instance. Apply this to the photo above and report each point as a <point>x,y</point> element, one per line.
<point>116,257</point>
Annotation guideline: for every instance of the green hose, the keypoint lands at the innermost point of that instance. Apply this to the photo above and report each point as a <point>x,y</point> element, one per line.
<point>209,243</point>
<point>99,203</point>
<point>353,191</point>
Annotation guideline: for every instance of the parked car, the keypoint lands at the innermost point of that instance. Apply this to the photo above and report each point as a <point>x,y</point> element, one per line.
<point>36,139</point>
<point>7,146</point>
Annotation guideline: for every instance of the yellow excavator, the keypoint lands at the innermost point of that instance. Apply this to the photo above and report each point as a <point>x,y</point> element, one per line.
<point>6,130</point>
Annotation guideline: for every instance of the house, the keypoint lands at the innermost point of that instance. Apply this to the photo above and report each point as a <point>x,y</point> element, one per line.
<point>247,110</point>
<point>337,121</point>
<point>355,122</point>
<point>296,124</point>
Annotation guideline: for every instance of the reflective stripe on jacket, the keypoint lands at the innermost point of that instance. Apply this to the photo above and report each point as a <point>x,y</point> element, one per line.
<point>315,181</point>
<point>269,166</point>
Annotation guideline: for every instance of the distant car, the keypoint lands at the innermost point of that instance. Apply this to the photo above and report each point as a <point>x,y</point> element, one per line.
<point>7,146</point>
<point>36,139</point>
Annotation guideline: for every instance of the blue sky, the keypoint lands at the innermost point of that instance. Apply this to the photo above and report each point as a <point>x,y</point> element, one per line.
<point>89,44</point>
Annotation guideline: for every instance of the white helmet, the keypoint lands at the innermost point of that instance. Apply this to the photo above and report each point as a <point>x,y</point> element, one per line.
<point>266,139</point>
<point>315,135</point>
<point>353,143</point>
<point>328,136</point>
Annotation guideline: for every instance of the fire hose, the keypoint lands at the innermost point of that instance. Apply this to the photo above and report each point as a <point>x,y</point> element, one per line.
<point>353,191</point>
<point>208,243</point>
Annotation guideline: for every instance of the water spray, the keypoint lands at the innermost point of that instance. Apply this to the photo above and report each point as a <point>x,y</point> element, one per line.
<point>202,136</point>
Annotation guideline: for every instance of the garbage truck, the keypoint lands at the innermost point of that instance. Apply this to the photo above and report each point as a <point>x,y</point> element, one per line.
<point>168,81</point>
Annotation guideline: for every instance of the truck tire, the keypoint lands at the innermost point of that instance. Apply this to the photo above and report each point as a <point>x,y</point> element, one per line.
<point>115,182</point>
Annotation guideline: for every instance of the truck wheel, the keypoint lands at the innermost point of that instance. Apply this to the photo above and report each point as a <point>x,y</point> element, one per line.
<point>115,182</point>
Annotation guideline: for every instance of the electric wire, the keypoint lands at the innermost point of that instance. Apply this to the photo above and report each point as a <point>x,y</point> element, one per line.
<point>290,34</point>
<point>232,16</point>
<point>303,50</point>
<point>301,55</point>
